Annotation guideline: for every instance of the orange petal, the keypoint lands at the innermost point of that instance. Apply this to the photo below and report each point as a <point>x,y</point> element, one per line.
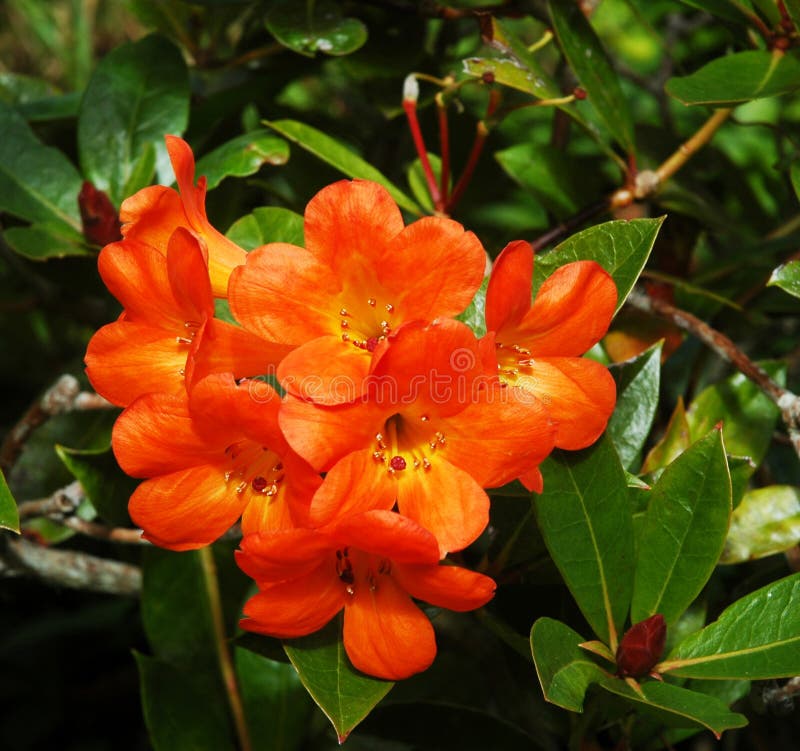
<point>385,634</point>
<point>454,261</point>
<point>571,313</point>
<point>325,370</point>
<point>446,501</point>
<point>284,555</point>
<point>267,513</point>
<point>533,480</point>
<point>187,268</point>
<point>578,393</point>
<point>296,608</point>
<point>126,360</point>
<point>450,587</point>
<point>356,483</point>
<point>156,435</point>
<point>508,296</point>
<point>187,509</point>
<point>151,216</point>
<point>497,437</point>
<point>285,294</point>
<point>350,224</point>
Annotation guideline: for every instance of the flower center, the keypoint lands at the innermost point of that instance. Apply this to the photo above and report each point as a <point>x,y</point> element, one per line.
<point>253,466</point>
<point>366,323</point>
<point>356,569</point>
<point>407,446</point>
<point>512,360</point>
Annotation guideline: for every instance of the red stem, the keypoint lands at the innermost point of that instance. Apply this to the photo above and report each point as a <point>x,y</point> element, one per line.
<point>444,144</point>
<point>410,106</point>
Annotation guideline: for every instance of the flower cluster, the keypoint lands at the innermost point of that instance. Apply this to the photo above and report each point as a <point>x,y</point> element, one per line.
<point>371,464</point>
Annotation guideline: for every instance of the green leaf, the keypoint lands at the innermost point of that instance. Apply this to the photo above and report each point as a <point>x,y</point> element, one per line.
<point>620,247</point>
<point>590,63</point>
<point>137,94</point>
<point>510,73</point>
<point>340,157</point>
<point>475,314</point>
<point>676,706</point>
<point>748,416</point>
<point>345,695</point>
<point>564,669</point>
<point>676,439</point>
<point>637,399</point>
<point>720,8</point>
<point>313,27</point>
<point>183,707</point>
<point>106,486</point>
<point>767,521</point>
<point>242,156</point>
<point>40,243</point>
<point>9,516</point>
<point>37,183</point>
<point>684,531</point>
<point>419,184</point>
<point>758,637</point>
<point>585,518</point>
<point>738,78</point>
<point>267,224</point>
<point>793,9</point>
<point>787,275</point>
<point>276,705</point>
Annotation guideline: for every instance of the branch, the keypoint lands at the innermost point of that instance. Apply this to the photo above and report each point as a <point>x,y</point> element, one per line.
<point>787,402</point>
<point>61,503</point>
<point>69,568</point>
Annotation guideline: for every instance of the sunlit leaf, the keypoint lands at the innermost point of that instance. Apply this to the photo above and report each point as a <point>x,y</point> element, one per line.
<point>767,521</point>
<point>684,531</point>
<point>673,443</point>
<point>344,694</point>
<point>787,277</point>
<point>242,156</point>
<point>637,398</point>
<point>9,516</point>
<point>738,78</point>
<point>310,27</point>
<point>757,637</point>
<point>340,157</point>
<point>585,518</point>
<point>267,224</point>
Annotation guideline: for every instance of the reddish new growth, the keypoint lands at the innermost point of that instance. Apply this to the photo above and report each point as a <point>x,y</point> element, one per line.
<point>641,647</point>
<point>101,224</point>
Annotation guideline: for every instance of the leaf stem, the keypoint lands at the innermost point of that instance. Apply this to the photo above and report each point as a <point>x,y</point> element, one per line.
<point>223,654</point>
<point>444,146</point>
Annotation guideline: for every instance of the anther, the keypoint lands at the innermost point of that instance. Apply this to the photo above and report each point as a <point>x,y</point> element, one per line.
<point>389,308</point>
<point>426,463</point>
<point>345,337</point>
<point>416,463</point>
<point>240,487</point>
<point>378,456</point>
<point>272,490</point>
<point>384,324</point>
<point>424,418</point>
<point>228,475</point>
<point>371,302</point>
<point>182,371</point>
<point>344,324</point>
<point>343,312</point>
<point>182,340</point>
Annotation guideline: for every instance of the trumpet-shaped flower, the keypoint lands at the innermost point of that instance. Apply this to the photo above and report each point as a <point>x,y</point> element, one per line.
<point>433,428</point>
<point>538,345</point>
<point>370,565</point>
<point>151,215</point>
<point>212,456</point>
<point>167,335</point>
<point>361,275</point>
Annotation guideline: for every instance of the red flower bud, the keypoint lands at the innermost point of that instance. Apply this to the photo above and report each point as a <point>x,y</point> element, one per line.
<point>100,221</point>
<point>641,647</point>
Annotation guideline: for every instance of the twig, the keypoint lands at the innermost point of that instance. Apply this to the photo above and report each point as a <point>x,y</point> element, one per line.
<point>104,532</point>
<point>787,402</point>
<point>69,568</point>
<point>63,396</point>
<point>61,503</point>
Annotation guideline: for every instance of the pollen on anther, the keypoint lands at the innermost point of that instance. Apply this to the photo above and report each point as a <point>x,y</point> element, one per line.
<point>228,475</point>
<point>397,463</point>
<point>426,463</point>
<point>424,418</point>
<point>416,463</point>
<point>343,312</point>
<point>371,302</point>
<point>345,337</point>
<point>389,308</point>
<point>240,487</point>
<point>182,340</point>
<point>259,484</point>
<point>181,371</point>
<point>378,456</point>
<point>344,324</point>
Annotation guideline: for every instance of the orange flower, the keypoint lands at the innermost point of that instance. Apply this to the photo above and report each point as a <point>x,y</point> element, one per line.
<point>212,457</point>
<point>167,335</point>
<point>431,431</point>
<point>370,565</point>
<point>151,215</point>
<point>538,346</point>
<point>361,275</point>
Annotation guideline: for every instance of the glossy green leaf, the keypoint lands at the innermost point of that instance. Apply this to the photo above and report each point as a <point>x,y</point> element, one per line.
<point>725,9</point>
<point>37,182</point>
<point>9,516</point>
<point>676,439</point>
<point>184,709</point>
<point>787,277</point>
<point>794,173</point>
<point>758,637</point>
<point>510,73</point>
<point>585,518</point>
<point>767,521</point>
<point>106,486</point>
<point>565,671</point>
<point>137,94</point>
<point>475,314</point>
<point>793,9</point>
<point>418,182</point>
<point>637,399</point>
<point>276,706</point>
<point>40,243</point>
<point>684,531</point>
<point>242,156</point>
<point>310,27</point>
<point>345,695</point>
<point>748,416</point>
<point>267,224</point>
<point>590,63</point>
<point>738,78</point>
<point>676,706</point>
<point>340,157</point>
<point>621,248</point>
